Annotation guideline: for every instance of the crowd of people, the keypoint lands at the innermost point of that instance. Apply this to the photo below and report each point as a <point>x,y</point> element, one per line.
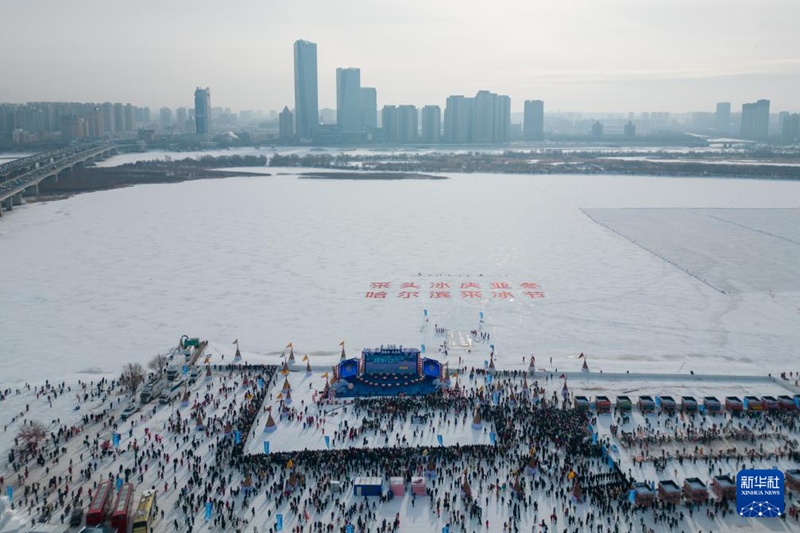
<point>543,464</point>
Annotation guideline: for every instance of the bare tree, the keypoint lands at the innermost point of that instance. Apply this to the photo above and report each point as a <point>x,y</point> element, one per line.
<point>132,376</point>
<point>158,364</point>
<point>31,436</point>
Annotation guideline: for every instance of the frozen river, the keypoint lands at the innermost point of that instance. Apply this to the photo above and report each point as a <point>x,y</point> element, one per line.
<point>101,279</point>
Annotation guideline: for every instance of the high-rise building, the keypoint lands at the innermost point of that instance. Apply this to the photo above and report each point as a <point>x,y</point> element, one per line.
<point>108,117</point>
<point>629,130</point>
<point>202,111</point>
<point>722,117</point>
<point>165,117</point>
<point>533,120</point>
<point>389,123</point>
<point>119,117</point>
<point>458,119</point>
<point>348,99</point>
<point>306,104</point>
<point>181,119</point>
<point>755,120</point>
<point>431,123</point>
<point>486,118</point>
<point>369,108</point>
<point>407,124</point>
<point>128,116</point>
<point>286,124</point>
<point>791,128</point>
<point>597,129</point>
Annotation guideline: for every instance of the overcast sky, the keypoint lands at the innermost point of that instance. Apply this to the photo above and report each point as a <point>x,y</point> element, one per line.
<point>576,55</point>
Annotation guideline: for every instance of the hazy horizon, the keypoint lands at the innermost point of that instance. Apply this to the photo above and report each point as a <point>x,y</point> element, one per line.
<point>575,55</point>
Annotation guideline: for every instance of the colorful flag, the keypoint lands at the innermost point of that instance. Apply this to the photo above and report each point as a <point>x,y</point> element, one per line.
<point>290,464</point>
<point>305,357</point>
<point>341,343</point>
<point>325,375</point>
<point>562,376</point>
<point>289,345</point>
<point>581,355</point>
<point>236,341</point>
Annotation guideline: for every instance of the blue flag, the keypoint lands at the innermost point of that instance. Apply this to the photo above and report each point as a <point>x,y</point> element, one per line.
<point>446,529</point>
<point>185,369</point>
<point>115,439</point>
<point>266,447</point>
<point>237,437</point>
<point>440,439</point>
<point>488,379</point>
<point>208,510</point>
<point>605,452</point>
<point>260,383</point>
<point>492,437</point>
<point>10,493</point>
<point>495,397</point>
<point>423,348</point>
<point>350,528</point>
<point>594,438</point>
<point>278,522</point>
<point>424,312</point>
<point>480,315</point>
<point>590,427</point>
<point>632,496</point>
<point>327,441</point>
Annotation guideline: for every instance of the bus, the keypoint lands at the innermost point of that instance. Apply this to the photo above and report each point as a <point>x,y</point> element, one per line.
<point>143,519</point>
<point>101,504</point>
<point>121,513</point>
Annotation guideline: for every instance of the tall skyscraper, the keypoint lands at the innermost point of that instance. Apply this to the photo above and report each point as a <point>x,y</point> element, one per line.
<point>119,117</point>
<point>722,117</point>
<point>486,118</point>
<point>202,111</point>
<point>755,120</point>
<point>533,121</point>
<point>128,116</point>
<point>165,116</point>
<point>389,123</point>
<point>306,103</point>
<point>348,99</point>
<point>458,119</point>
<point>369,108</point>
<point>407,123</point>
<point>431,123</point>
<point>286,124</point>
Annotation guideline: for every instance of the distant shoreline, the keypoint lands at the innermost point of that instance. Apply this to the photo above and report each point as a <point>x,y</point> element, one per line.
<point>367,175</point>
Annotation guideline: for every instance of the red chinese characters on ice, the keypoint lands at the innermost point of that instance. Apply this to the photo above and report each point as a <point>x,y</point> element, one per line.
<point>471,294</point>
<point>377,295</point>
<point>379,285</point>
<point>408,294</point>
<point>437,295</point>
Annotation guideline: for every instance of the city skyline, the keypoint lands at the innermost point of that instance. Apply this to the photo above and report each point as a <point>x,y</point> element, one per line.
<point>579,56</point>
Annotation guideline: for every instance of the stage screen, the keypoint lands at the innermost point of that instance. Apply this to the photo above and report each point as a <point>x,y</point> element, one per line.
<point>397,363</point>
<point>431,368</point>
<point>348,368</point>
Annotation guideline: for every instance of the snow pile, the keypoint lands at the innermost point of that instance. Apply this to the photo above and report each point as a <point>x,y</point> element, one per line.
<point>10,522</point>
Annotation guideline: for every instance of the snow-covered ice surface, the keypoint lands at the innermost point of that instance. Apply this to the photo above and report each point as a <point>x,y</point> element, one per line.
<point>103,278</point>
<point>98,280</point>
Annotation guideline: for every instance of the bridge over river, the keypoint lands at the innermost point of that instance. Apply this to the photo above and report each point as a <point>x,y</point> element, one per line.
<point>21,178</point>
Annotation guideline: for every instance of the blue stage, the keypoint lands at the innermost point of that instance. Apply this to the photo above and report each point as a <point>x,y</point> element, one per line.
<point>388,371</point>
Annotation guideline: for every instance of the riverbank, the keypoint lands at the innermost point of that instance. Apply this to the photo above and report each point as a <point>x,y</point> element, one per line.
<point>100,179</point>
